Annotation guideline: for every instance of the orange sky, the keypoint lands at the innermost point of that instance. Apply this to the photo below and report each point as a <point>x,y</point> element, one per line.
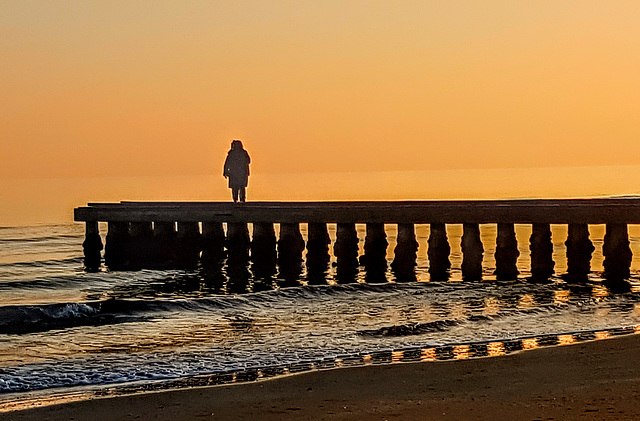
<point>160,88</point>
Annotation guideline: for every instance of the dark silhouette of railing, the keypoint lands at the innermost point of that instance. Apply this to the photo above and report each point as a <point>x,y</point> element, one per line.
<point>187,234</point>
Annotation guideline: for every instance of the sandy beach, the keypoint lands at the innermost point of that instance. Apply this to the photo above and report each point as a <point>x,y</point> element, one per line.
<point>597,380</point>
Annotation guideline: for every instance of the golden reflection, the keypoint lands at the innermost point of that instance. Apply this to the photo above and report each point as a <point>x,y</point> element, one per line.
<point>366,359</point>
<point>495,349</point>
<point>339,362</point>
<point>635,285</point>
<point>492,306</point>
<point>561,296</point>
<point>455,277</point>
<point>39,402</point>
<point>392,314</point>
<point>396,356</point>
<point>636,329</point>
<point>566,339</point>
<point>461,352</point>
<point>599,292</point>
<point>422,277</point>
<point>529,343</point>
<point>428,354</point>
<point>459,311</point>
<point>602,335</point>
<point>527,301</point>
<point>425,313</point>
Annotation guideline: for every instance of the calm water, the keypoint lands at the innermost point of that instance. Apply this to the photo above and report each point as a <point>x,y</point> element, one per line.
<point>63,328</point>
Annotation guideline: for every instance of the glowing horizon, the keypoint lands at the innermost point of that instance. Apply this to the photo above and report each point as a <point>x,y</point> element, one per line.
<point>129,89</point>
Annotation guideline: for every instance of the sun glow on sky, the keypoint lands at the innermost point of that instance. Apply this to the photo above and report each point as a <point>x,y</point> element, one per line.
<point>159,88</point>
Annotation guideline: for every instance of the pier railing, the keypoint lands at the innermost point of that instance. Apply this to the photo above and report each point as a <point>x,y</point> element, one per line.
<point>185,234</point>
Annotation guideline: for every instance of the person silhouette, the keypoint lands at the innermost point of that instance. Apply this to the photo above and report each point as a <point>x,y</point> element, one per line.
<point>236,169</point>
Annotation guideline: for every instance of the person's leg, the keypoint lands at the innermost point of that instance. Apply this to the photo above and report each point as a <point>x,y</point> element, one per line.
<point>243,193</point>
<point>234,193</point>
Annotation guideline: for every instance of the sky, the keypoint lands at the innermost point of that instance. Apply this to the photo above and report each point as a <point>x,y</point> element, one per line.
<point>139,88</point>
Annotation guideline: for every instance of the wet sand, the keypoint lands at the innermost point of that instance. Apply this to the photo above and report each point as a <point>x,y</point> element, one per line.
<point>588,381</point>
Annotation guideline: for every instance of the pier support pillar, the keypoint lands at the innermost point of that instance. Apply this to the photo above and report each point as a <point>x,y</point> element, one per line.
<point>238,242</point>
<point>141,244</point>
<point>238,246</point>
<point>92,247</point>
<point>290,248</point>
<point>116,250</point>
<point>541,252</point>
<point>317,252</point>
<point>579,250</point>
<point>263,250</point>
<point>617,253</point>
<point>346,250</point>
<point>188,245</point>
<point>438,252</point>
<point>405,253</point>
<point>506,253</point>
<point>212,244</point>
<point>375,253</point>
<point>472,252</point>
<point>164,236</point>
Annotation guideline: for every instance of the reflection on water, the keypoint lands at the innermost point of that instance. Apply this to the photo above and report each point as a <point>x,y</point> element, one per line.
<point>526,301</point>
<point>428,354</point>
<point>348,253</point>
<point>561,296</point>
<point>461,352</point>
<point>566,339</point>
<point>495,349</point>
<point>407,355</point>
<point>238,318</point>
<point>599,292</point>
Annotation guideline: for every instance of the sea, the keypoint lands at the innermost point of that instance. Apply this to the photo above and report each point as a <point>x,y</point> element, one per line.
<point>68,334</point>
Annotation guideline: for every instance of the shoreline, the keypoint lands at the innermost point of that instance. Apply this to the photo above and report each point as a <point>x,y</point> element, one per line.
<point>461,351</point>
<point>587,380</point>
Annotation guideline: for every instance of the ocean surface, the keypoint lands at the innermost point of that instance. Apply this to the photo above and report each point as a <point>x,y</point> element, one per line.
<point>66,330</point>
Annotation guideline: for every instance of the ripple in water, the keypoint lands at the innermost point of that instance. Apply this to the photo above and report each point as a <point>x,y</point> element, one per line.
<point>61,327</point>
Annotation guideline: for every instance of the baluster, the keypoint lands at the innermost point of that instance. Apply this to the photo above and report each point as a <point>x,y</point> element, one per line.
<point>92,246</point>
<point>141,244</point>
<point>506,252</point>
<point>116,250</point>
<point>579,250</point>
<point>472,252</point>
<point>617,253</point>
<point>164,238</point>
<point>541,252</point>
<point>212,244</point>
<point>346,250</point>
<point>238,246</point>
<point>290,248</point>
<point>438,252</point>
<point>317,252</point>
<point>405,253</point>
<point>375,253</point>
<point>188,244</point>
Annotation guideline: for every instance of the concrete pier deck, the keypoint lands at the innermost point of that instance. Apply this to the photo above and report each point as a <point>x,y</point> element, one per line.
<point>525,211</point>
<point>146,234</point>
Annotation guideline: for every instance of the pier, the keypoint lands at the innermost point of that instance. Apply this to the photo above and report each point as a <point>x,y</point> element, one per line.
<point>188,234</point>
